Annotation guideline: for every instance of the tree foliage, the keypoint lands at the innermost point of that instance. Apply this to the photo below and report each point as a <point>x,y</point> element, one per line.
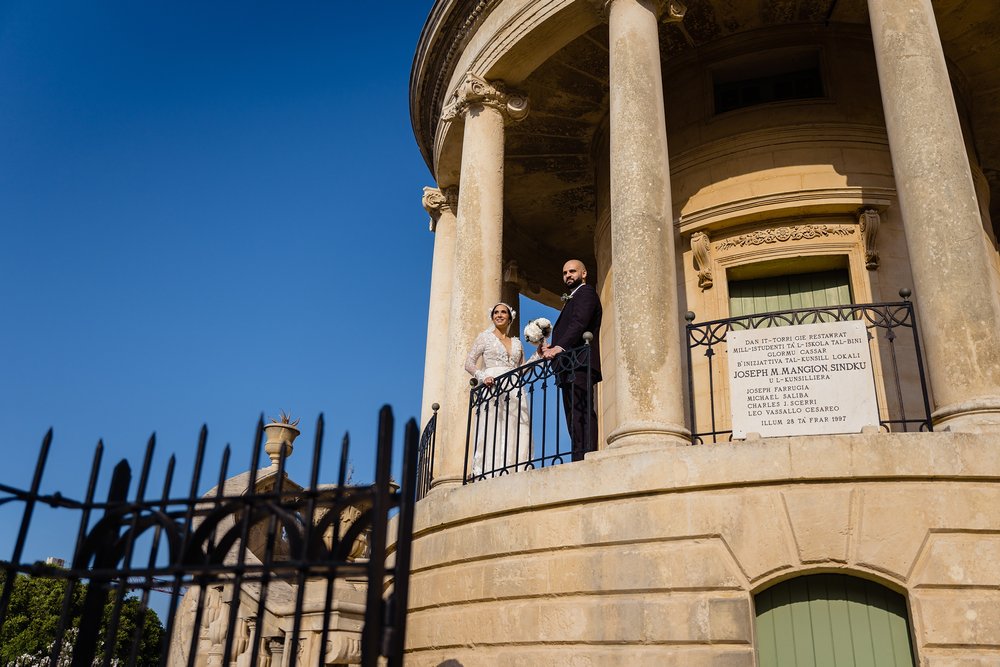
<point>36,603</point>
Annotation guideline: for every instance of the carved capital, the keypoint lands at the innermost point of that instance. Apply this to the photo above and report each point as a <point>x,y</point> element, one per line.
<point>669,11</point>
<point>701,249</point>
<point>477,91</point>
<point>869,221</point>
<point>672,11</point>
<point>436,201</point>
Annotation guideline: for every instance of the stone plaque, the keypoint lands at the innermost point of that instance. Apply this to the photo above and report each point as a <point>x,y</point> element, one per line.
<point>801,380</point>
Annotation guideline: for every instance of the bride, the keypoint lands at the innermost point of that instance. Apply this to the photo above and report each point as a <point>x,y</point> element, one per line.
<point>502,420</point>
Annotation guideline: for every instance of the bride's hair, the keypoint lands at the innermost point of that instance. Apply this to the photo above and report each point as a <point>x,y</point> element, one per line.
<point>510,311</point>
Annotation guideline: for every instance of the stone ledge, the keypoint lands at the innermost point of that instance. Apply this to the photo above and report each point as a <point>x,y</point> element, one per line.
<point>774,461</point>
<point>587,654</point>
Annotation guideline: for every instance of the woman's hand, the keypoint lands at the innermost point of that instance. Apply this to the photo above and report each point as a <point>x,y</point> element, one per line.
<point>488,381</point>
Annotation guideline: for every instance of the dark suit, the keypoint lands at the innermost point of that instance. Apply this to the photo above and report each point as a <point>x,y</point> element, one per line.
<point>582,313</point>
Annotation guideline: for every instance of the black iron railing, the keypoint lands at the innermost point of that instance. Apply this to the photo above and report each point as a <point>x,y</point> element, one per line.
<point>425,454</point>
<point>224,552</point>
<point>904,405</point>
<point>519,421</point>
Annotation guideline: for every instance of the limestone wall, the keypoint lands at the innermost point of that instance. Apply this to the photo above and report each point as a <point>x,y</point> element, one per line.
<point>653,558</point>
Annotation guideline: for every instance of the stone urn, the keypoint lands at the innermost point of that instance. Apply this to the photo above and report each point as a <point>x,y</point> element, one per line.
<point>279,436</point>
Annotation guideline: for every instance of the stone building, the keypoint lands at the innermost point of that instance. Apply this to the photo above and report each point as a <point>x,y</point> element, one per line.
<point>852,144</point>
<point>203,614</point>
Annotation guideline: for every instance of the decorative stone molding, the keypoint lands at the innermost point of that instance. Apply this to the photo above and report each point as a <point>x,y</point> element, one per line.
<point>869,221</point>
<point>459,35</point>
<point>701,248</point>
<point>435,201</point>
<point>342,648</point>
<point>475,90</point>
<point>782,234</point>
<point>670,11</point>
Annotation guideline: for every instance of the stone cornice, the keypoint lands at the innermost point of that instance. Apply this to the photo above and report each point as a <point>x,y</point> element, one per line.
<point>475,90</point>
<point>449,26</point>
<point>845,200</point>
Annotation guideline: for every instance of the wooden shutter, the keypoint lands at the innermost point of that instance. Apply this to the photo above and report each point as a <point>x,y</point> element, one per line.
<point>832,620</point>
<point>801,290</point>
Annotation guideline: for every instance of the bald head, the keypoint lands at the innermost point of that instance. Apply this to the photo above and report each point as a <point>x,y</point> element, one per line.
<point>574,273</point>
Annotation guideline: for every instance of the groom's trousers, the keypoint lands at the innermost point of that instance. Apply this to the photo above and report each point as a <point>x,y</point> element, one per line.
<point>581,414</point>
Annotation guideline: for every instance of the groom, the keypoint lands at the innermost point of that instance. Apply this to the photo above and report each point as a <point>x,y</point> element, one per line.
<point>581,313</point>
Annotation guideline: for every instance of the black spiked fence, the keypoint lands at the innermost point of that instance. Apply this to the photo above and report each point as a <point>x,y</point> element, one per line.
<point>191,543</point>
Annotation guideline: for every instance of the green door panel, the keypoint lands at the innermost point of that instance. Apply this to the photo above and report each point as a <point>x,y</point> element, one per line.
<point>832,620</point>
<point>800,290</point>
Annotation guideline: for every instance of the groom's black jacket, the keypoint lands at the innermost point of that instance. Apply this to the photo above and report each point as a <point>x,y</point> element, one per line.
<point>580,314</point>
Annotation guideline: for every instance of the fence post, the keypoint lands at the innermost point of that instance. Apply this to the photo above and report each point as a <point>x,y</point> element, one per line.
<point>104,558</point>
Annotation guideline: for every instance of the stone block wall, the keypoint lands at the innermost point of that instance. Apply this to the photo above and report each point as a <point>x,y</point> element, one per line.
<point>653,558</point>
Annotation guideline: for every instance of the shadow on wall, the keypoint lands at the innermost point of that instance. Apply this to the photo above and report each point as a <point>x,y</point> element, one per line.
<point>450,663</point>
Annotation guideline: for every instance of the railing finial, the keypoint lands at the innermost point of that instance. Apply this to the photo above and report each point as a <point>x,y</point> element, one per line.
<point>905,293</point>
<point>587,337</point>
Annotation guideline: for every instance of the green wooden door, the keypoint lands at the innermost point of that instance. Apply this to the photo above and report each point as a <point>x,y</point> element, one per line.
<point>832,620</point>
<point>800,290</point>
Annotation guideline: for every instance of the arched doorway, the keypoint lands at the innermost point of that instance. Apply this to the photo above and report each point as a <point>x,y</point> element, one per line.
<point>832,620</point>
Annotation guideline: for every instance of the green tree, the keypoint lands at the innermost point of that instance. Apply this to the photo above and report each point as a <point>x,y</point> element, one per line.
<point>29,628</point>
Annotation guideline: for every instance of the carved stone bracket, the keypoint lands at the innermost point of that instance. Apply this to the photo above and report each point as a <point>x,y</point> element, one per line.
<point>515,275</point>
<point>869,221</point>
<point>782,234</point>
<point>511,274</point>
<point>475,90</point>
<point>701,249</point>
<point>670,11</point>
<point>435,201</point>
<point>342,648</point>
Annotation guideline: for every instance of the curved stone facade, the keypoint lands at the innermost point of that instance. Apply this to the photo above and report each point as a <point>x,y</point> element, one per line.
<point>679,148</point>
<point>653,558</point>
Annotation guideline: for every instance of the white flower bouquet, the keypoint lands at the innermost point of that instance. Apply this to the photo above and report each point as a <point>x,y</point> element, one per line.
<point>537,330</point>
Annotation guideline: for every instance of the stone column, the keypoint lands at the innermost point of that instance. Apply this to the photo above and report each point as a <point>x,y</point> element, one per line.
<point>478,274</point>
<point>958,307</point>
<point>649,383</point>
<point>442,206</point>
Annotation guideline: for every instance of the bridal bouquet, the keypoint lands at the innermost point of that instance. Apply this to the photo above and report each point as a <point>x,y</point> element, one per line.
<point>537,330</point>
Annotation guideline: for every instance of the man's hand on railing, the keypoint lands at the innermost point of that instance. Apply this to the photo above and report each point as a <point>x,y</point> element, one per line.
<point>551,352</point>
<point>488,381</point>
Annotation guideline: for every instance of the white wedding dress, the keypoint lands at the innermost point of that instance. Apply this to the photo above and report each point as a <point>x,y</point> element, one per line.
<point>501,425</point>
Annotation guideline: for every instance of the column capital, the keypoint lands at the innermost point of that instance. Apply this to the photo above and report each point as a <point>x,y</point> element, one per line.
<point>438,200</point>
<point>475,90</point>
<point>669,11</point>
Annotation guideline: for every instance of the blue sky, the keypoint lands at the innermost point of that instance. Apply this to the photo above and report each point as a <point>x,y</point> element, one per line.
<point>209,210</point>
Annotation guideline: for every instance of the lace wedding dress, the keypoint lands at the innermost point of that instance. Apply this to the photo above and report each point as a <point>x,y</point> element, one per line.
<point>502,423</point>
